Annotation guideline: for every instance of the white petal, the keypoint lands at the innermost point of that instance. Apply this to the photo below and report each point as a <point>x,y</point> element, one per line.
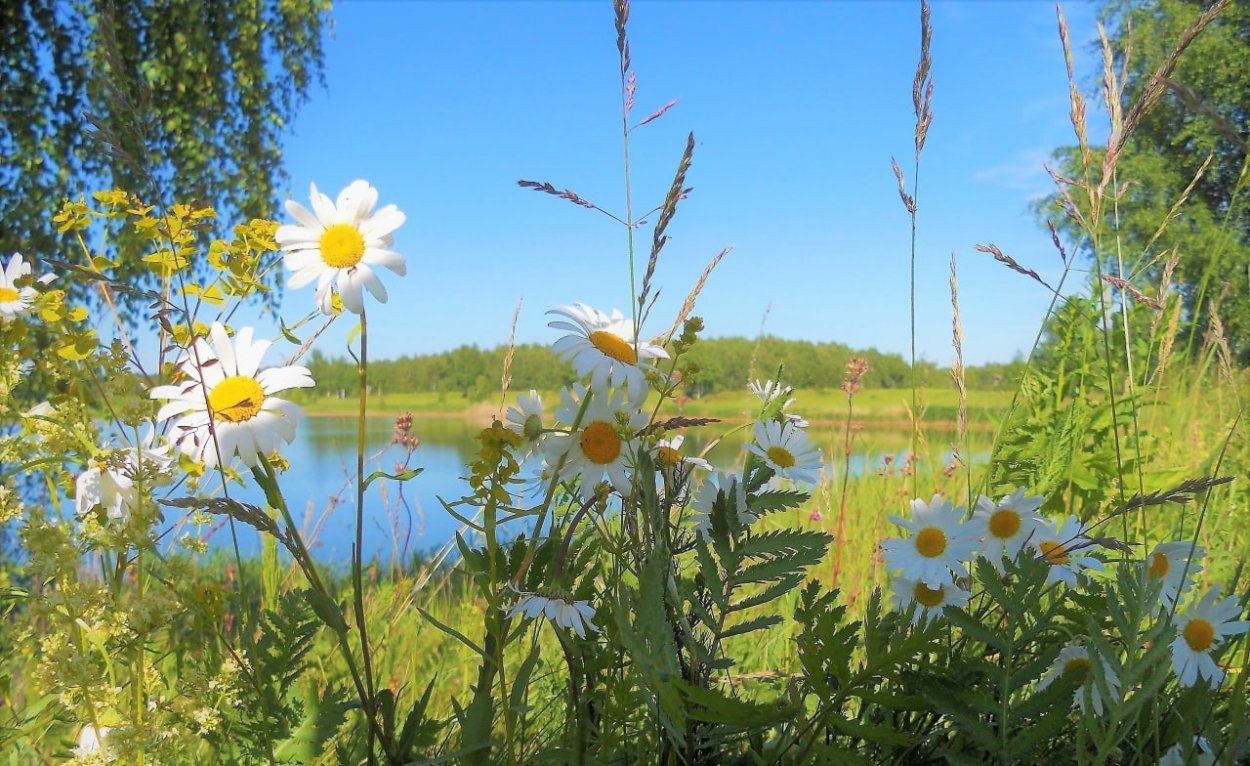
<point>224,349</point>
<point>391,260</point>
<point>324,208</point>
<point>304,216</point>
<point>350,291</point>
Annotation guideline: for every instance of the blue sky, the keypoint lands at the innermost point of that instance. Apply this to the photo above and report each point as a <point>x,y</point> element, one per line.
<point>797,108</point>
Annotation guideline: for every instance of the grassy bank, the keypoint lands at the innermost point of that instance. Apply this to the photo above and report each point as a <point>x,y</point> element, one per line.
<point>878,407</point>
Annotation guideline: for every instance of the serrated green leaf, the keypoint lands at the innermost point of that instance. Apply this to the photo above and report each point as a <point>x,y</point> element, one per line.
<point>776,500</point>
<point>747,626</point>
<point>975,630</point>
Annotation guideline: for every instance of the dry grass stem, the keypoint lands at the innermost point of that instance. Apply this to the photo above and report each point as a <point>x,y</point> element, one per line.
<point>654,115</point>
<point>1012,264</point>
<point>674,423</point>
<point>1156,85</point>
<point>621,8</point>
<point>957,366</point>
<point>1076,111</point>
<point>1124,286</point>
<point>922,85</point>
<point>1176,207</point>
<point>677,191</point>
<point>1168,340</point>
<point>505,379</point>
<point>909,202</point>
<point>688,305</point>
<point>1221,125</point>
<point>1217,339</point>
<point>1054,238</point>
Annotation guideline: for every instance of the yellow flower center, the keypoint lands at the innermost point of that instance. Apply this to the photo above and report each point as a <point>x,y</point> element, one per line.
<point>781,456</point>
<point>928,597</point>
<point>342,246</point>
<point>1159,566</point>
<point>1053,552</point>
<point>614,346</point>
<point>667,456</point>
<point>1199,634</point>
<point>600,442</point>
<point>931,542</point>
<point>1004,524</point>
<point>236,399</point>
<point>9,294</point>
<point>1078,667</point>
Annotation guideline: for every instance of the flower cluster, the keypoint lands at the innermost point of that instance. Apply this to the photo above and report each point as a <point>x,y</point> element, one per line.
<point>601,434</point>
<point>932,572</point>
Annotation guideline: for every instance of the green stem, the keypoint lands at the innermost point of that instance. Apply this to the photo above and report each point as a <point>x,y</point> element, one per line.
<point>358,590</point>
<point>267,479</point>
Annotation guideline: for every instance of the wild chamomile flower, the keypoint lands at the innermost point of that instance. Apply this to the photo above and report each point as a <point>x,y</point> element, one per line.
<point>1201,631</point>
<point>110,484</point>
<point>1063,548</point>
<point>770,392</point>
<point>14,300</point>
<point>1168,563</point>
<point>1006,525</point>
<point>603,346</point>
<point>527,420</point>
<point>667,453</point>
<point>929,601</point>
<point>1202,754</point>
<point>721,484</point>
<point>576,616</point>
<point>599,448</point>
<point>341,242</point>
<point>248,419</point>
<point>940,543</point>
<point>1074,662</point>
<point>787,450</point>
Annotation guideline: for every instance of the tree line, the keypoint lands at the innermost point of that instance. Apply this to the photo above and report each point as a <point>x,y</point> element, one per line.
<point>722,364</point>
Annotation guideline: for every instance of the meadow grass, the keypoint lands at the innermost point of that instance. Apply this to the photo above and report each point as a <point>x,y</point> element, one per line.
<point>765,634</point>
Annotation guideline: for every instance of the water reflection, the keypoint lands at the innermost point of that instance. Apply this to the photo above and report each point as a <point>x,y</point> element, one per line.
<point>400,521</point>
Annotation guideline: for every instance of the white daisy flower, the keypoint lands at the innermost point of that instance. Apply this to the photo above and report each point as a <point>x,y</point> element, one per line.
<point>600,447</point>
<point>341,242</point>
<point>1074,661</point>
<point>91,740</point>
<point>725,485</point>
<point>14,300</point>
<point>939,545</point>
<point>1201,631</point>
<point>227,388</point>
<point>111,486</point>
<point>527,420</point>
<point>1062,548</point>
<point>1006,525</point>
<point>787,450</point>
<point>1202,754</point>
<point>576,616</point>
<point>667,454</point>
<point>770,392</point>
<point>1169,563</point>
<point>603,347</point>
<point>929,601</point>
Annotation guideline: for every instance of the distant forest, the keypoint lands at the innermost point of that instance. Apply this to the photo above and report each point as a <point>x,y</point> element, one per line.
<point>723,364</point>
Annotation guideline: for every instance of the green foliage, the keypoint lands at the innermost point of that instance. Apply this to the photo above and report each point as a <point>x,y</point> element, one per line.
<point>98,96</point>
<point>1182,169</point>
<point>721,364</point>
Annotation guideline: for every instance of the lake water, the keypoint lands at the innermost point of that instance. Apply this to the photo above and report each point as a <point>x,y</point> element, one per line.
<point>320,491</point>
